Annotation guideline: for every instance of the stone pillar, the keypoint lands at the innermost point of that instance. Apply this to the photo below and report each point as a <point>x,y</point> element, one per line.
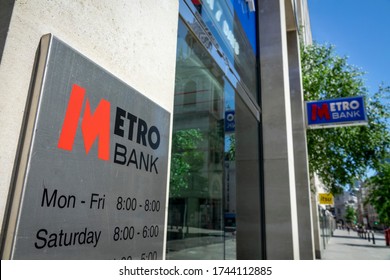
<point>250,221</point>
<point>305,228</point>
<point>281,233</point>
<point>316,222</point>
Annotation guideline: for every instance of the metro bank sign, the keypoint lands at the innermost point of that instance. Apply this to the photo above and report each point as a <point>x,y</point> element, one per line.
<point>336,112</point>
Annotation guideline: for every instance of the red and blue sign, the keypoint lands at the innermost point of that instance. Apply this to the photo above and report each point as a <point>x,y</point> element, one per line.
<point>336,112</point>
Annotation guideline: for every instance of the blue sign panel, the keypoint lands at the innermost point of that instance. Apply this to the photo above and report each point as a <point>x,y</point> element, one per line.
<point>230,124</point>
<point>336,112</point>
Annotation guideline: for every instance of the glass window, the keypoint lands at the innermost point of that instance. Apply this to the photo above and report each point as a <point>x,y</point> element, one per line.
<point>233,26</point>
<point>196,205</point>
<point>202,214</point>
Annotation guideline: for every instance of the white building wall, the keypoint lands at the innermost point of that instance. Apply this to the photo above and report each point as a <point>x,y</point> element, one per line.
<point>134,40</point>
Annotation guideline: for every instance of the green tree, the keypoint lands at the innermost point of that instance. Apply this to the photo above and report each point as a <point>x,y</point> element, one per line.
<point>350,214</point>
<point>379,193</point>
<point>230,154</point>
<point>341,155</point>
<point>186,160</point>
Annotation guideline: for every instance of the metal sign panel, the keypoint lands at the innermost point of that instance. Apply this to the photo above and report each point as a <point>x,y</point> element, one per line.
<point>336,112</point>
<point>326,198</point>
<point>230,123</point>
<point>94,184</point>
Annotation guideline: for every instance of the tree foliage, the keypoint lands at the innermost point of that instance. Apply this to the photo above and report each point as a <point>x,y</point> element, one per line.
<point>230,154</point>
<point>350,214</point>
<point>186,159</point>
<point>341,155</point>
<point>379,193</point>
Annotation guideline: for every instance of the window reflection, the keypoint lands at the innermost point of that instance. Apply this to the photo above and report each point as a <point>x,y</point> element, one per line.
<point>233,26</point>
<point>196,205</point>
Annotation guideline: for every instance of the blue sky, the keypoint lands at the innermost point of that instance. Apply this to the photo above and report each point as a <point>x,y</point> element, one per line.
<point>360,30</point>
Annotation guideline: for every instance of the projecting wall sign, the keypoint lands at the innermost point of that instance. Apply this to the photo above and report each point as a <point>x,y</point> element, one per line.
<point>336,112</point>
<point>92,180</point>
<point>230,123</point>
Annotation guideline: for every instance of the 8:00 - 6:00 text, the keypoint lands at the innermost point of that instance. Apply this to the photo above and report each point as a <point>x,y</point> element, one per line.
<point>128,232</point>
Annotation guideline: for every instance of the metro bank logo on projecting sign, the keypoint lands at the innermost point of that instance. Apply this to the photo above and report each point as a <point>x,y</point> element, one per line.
<point>336,112</point>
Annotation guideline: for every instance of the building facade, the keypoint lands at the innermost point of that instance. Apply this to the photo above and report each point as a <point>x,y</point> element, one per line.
<point>228,73</point>
<point>366,213</point>
<point>342,201</point>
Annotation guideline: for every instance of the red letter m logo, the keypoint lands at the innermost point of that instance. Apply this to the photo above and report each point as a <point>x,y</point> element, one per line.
<point>322,112</point>
<point>92,125</point>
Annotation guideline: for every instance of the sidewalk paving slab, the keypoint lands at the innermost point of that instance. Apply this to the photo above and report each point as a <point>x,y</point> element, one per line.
<point>344,245</point>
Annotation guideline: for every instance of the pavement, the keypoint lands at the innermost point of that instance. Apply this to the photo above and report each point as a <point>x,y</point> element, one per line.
<point>349,246</point>
<point>341,246</point>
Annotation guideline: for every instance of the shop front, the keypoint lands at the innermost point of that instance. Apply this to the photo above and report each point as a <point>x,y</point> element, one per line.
<point>215,105</point>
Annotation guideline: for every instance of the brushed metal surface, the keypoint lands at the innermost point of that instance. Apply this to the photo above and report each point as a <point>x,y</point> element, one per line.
<point>74,204</point>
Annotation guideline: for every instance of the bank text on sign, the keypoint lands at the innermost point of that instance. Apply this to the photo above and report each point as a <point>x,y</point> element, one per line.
<point>336,112</point>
